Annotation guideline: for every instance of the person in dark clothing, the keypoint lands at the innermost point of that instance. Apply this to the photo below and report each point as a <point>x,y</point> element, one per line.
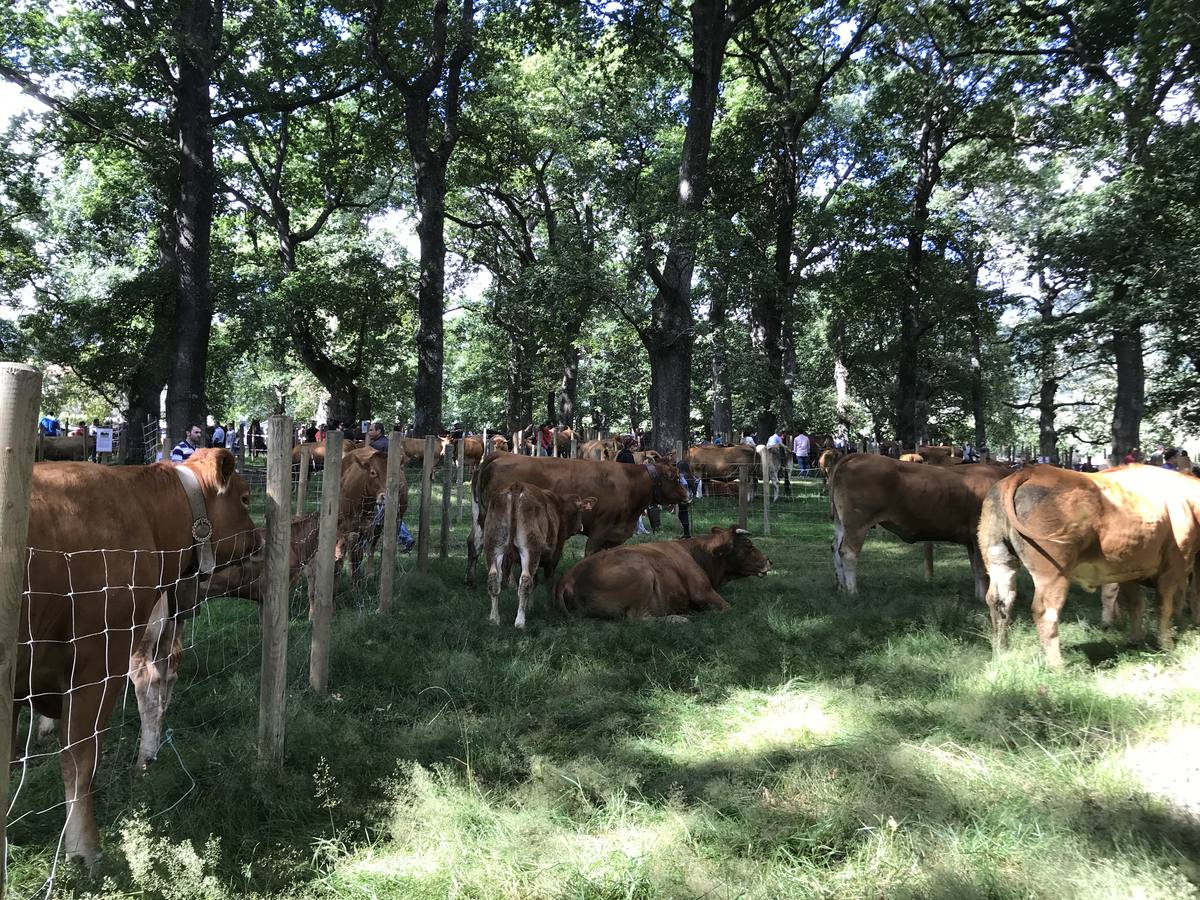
<point>684,510</point>
<point>376,439</point>
<point>626,454</point>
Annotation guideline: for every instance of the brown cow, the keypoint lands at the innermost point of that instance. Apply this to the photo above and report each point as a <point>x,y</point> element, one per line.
<point>364,479</point>
<point>474,448</point>
<point>1128,524</point>
<point>724,463</point>
<point>530,525</point>
<point>667,578</point>
<point>914,502</point>
<point>65,449</point>
<point>829,459</point>
<point>600,450</point>
<point>92,584</point>
<point>622,492</point>
<point>414,449</point>
<point>938,456</point>
<point>318,453</point>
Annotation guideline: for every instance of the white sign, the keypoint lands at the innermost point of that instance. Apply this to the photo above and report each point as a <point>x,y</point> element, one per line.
<point>104,440</point>
<point>366,425</point>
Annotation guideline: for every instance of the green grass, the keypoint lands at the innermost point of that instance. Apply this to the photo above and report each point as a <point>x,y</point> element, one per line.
<point>801,745</point>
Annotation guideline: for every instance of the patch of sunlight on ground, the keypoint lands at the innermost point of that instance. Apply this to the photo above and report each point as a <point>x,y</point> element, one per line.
<point>748,722</point>
<point>1169,769</point>
<point>1155,681</point>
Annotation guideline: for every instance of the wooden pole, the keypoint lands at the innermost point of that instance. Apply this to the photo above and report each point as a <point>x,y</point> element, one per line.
<point>302,485</point>
<point>426,503</point>
<point>744,476</point>
<point>20,396</point>
<point>322,612</point>
<point>391,521</point>
<point>447,490</point>
<point>766,492</point>
<point>574,447</point>
<point>273,686</point>
<point>679,457</point>
<point>554,439</point>
<point>460,474</point>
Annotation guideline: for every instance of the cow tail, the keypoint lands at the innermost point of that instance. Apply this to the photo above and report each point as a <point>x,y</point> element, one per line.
<point>1008,500</point>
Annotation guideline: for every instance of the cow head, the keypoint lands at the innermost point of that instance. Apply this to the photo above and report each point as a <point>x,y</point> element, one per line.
<point>670,491</point>
<point>572,508</point>
<point>741,557</point>
<point>364,479</point>
<point>227,505</point>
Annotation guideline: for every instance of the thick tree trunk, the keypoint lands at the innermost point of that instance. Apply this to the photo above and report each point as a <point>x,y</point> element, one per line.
<point>1130,403</point>
<point>568,386</point>
<point>197,33</point>
<point>669,338</point>
<point>431,291</point>
<point>787,406</point>
<point>909,424</point>
<point>1047,433</point>
<point>841,394</point>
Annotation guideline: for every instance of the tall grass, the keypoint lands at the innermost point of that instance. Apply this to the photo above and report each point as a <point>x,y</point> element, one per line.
<point>801,745</point>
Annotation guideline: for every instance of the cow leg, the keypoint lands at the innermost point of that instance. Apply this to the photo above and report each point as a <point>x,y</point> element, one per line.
<point>928,561</point>
<point>1048,600</point>
<point>495,583</point>
<point>1108,604</point>
<point>1170,588</point>
<point>89,708</point>
<point>1133,598</point>
<point>846,547</point>
<point>153,669</point>
<point>1001,570</point>
<point>978,570</point>
<point>525,586</point>
<point>474,542</point>
<point>710,599</point>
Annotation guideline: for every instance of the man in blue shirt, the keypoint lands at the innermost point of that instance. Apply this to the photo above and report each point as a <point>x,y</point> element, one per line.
<point>183,451</point>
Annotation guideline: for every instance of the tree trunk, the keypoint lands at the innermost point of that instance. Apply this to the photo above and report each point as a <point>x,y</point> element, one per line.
<point>841,387</point>
<point>669,338</point>
<point>431,290</point>
<point>568,386</point>
<point>197,34</point>
<point>519,408</point>
<point>1130,402</point>
<point>1047,433</point>
<point>908,375</point>
<point>978,401</point>
<point>722,405</point>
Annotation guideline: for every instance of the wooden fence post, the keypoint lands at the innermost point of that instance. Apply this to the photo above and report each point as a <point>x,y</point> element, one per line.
<point>460,474</point>
<point>763,453</point>
<point>679,452</point>
<point>744,476</point>
<point>20,396</point>
<point>554,440</point>
<point>447,485</point>
<point>391,522</point>
<point>426,503</point>
<point>574,446</point>
<point>322,613</point>
<point>273,686</point>
<point>302,485</point>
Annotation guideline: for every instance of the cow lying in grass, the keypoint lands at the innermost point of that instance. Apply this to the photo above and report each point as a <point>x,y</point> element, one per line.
<point>1134,524</point>
<point>525,530</point>
<point>667,578</point>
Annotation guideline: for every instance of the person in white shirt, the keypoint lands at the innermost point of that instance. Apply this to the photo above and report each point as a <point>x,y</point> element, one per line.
<point>748,439</point>
<point>776,439</point>
<point>218,438</point>
<point>801,449</point>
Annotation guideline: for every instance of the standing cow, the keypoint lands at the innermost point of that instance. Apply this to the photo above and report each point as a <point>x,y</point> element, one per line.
<point>915,502</point>
<point>92,584</point>
<point>528,526</point>
<point>1138,524</point>
<point>622,492</point>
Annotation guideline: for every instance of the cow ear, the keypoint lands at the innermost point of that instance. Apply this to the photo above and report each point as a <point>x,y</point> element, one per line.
<point>226,466</point>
